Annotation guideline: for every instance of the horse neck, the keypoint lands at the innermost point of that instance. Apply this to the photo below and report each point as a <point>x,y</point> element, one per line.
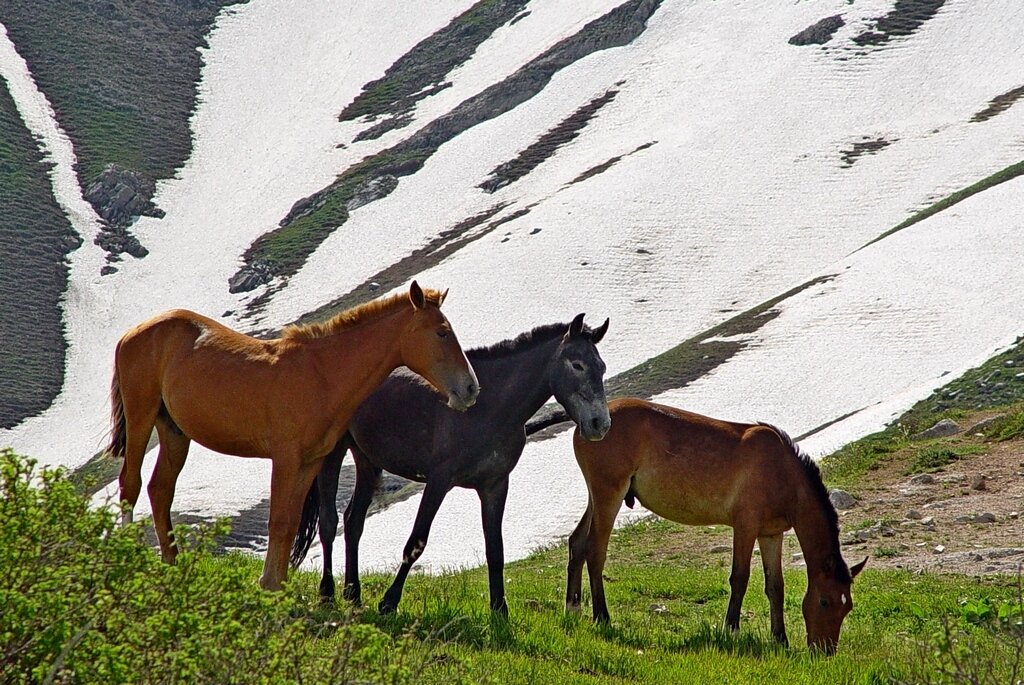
<point>811,524</point>
<point>516,384</point>
<point>363,355</point>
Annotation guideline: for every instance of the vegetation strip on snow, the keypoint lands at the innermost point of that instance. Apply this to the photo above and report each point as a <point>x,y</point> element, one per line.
<point>35,239</point>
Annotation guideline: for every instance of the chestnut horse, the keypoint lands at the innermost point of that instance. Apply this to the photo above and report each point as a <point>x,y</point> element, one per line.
<point>288,399</point>
<point>404,429</point>
<point>697,470</point>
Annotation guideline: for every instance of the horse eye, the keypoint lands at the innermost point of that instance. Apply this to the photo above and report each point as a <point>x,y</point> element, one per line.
<point>577,366</point>
<point>442,334</point>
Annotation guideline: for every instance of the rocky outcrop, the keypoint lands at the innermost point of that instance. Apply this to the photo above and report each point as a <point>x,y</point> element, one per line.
<point>819,33</point>
<point>120,196</point>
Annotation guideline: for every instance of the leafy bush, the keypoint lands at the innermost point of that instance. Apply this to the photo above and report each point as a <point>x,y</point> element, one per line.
<point>1006,428</point>
<point>87,601</point>
<point>983,643</point>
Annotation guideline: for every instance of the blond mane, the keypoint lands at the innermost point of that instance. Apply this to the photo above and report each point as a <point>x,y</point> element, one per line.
<point>350,318</point>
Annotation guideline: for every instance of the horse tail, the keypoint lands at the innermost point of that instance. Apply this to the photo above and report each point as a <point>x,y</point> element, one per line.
<point>546,417</point>
<point>308,525</point>
<point>118,434</point>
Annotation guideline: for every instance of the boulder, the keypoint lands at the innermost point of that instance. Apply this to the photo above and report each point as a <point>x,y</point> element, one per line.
<point>942,429</point>
<point>842,500</point>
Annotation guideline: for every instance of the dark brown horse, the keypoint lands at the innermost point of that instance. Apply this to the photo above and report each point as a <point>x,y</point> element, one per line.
<point>404,429</point>
<point>288,400</point>
<point>701,471</point>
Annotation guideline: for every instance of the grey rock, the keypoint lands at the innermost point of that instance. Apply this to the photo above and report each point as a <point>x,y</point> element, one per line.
<point>943,428</point>
<point>842,500</point>
<point>818,33</point>
<point>914,515</point>
<point>987,517</point>
<point>371,190</point>
<point>978,482</point>
<point>923,479</point>
<point>980,426</point>
<point>249,277</point>
<point>938,549</point>
<point>717,549</point>
<point>121,195</point>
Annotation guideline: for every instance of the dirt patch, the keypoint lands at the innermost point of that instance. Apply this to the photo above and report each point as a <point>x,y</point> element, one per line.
<point>928,520</point>
<point>999,104</point>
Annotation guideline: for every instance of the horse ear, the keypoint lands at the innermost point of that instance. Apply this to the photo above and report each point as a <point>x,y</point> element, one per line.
<point>416,296</point>
<point>599,332</point>
<point>857,568</point>
<point>443,295</point>
<point>576,327</point>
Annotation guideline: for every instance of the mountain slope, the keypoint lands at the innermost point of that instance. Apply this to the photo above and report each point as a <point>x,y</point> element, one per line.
<point>700,177</point>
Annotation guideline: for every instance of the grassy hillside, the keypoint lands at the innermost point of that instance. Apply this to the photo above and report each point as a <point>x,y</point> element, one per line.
<point>35,238</point>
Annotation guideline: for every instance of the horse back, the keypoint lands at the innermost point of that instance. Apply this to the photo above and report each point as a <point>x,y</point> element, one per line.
<point>686,467</point>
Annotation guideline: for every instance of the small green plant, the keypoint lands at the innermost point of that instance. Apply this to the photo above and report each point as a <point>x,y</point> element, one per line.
<point>887,552</point>
<point>935,457</point>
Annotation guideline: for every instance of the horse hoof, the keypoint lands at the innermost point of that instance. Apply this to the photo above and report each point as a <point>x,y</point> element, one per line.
<point>386,608</point>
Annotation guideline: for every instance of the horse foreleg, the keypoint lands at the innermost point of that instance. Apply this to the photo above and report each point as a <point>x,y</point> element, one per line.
<point>289,482</point>
<point>771,559</point>
<point>367,477</point>
<point>433,494</point>
<point>327,487</point>
<point>742,548</point>
<point>605,507</point>
<point>577,557</point>
<point>492,510</point>
<point>169,462</point>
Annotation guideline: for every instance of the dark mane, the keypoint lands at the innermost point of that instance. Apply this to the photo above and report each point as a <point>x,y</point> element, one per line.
<point>356,315</point>
<point>539,335</point>
<point>813,475</point>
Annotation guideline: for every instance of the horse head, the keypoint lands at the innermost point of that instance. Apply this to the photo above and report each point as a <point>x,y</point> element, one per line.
<point>577,378</point>
<point>828,601</point>
<point>430,348</point>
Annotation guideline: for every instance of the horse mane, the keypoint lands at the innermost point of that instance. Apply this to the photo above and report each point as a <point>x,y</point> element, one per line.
<point>350,318</point>
<point>813,476</point>
<point>539,335</point>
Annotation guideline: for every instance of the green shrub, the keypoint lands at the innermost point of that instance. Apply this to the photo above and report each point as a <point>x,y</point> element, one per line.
<point>87,601</point>
<point>936,456</point>
<point>1006,428</point>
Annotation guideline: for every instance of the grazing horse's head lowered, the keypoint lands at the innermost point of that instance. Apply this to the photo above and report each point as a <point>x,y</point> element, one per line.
<point>577,379</point>
<point>828,601</point>
<point>429,348</point>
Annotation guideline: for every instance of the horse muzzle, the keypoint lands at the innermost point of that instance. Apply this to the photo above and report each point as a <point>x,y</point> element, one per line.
<point>595,428</point>
<point>465,397</point>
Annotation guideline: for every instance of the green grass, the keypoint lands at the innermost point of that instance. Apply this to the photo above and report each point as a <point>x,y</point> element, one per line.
<point>122,616</point>
<point>894,611</point>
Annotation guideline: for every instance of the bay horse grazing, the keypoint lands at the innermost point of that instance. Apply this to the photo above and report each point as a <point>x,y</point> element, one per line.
<point>697,470</point>
<point>404,429</point>
<point>288,399</point>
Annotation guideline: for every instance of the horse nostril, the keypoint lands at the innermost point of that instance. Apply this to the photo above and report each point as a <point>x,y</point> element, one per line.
<point>472,389</point>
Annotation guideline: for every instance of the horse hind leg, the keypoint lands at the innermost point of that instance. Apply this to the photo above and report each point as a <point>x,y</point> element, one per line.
<point>173,451</point>
<point>771,559</point>
<point>140,414</point>
<point>577,557</point>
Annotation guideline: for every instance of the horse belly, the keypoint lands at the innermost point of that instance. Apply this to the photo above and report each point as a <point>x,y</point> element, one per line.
<point>683,503</point>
